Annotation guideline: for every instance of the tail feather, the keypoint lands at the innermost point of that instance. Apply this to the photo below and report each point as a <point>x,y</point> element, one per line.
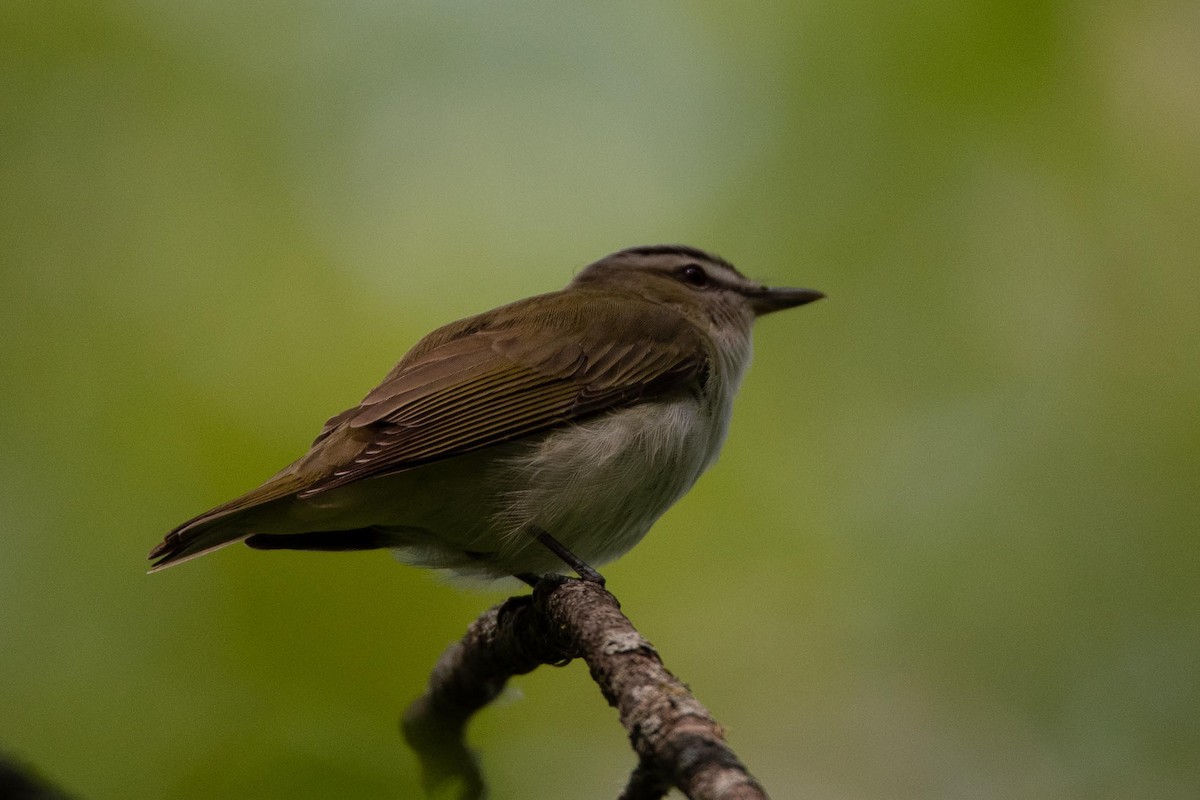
<point>170,556</point>
<point>370,538</point>
<point>220,526</point>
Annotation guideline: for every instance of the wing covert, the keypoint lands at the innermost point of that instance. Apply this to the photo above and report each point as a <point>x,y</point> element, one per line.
<point>495,384</point>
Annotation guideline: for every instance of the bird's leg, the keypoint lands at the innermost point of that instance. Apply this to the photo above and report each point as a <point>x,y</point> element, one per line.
<point>581,567</point>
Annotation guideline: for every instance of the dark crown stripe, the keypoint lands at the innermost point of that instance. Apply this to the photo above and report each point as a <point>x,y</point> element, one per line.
<point>668,250</point>
<point>677,250</point>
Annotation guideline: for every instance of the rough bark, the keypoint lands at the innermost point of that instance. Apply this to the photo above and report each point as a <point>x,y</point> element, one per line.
<point>677,741</point>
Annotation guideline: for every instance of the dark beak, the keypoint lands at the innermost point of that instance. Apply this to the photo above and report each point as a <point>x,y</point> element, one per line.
<point>766,299</point>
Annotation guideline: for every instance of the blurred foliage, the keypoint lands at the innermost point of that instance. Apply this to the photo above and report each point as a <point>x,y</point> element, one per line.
<point>951,548</point>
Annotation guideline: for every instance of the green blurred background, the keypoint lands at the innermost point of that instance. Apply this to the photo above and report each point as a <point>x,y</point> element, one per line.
<point>950,550</point>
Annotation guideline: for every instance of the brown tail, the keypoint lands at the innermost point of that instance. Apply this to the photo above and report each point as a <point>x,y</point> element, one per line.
<point>222,525</point>
<point>171,551</point>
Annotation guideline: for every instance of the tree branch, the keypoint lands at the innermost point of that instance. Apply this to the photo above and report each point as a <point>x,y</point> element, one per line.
<point>677,741</point>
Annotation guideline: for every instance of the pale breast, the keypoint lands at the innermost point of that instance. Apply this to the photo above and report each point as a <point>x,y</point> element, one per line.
<point>598,486</point>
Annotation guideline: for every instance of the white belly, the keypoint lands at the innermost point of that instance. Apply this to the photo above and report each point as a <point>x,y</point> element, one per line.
<point>597,487</point>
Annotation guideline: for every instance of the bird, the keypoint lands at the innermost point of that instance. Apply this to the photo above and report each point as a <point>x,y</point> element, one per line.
<point>542,436</point>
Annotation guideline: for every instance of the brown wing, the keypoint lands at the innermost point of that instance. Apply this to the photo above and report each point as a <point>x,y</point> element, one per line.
<point>489,383</point>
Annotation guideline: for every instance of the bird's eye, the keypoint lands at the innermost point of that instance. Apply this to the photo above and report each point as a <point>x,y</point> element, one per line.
<point>694,275</point>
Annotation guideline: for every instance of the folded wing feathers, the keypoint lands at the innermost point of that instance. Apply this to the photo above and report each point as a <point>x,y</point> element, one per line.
<point>495,386</point>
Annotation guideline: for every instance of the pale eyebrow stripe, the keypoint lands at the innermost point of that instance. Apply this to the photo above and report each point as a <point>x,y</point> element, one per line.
<point>682,250</point>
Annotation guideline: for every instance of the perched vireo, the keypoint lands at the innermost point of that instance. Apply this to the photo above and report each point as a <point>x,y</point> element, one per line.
<point>544,434</point>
